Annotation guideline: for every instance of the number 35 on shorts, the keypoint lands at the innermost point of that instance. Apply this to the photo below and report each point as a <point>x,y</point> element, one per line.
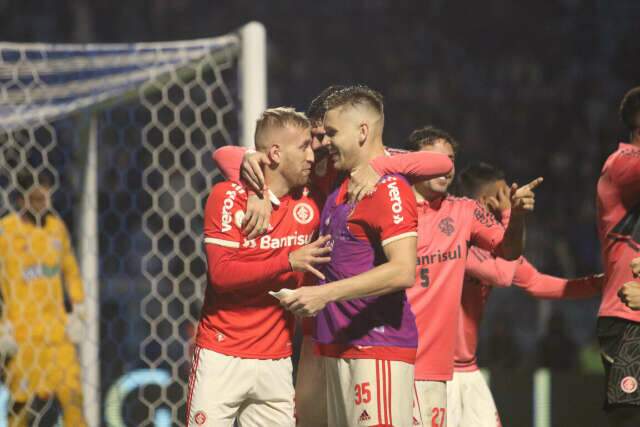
<point>363,393</point>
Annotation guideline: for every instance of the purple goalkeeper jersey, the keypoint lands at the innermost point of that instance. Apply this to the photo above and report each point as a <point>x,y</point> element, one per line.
<point>381,321</point>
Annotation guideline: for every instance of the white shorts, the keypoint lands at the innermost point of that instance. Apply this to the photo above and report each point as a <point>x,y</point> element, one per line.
<point>430,404</point>
<point>470,401</point>
<point>368,392</point>
<point>311,388</point>
<point>224,388</point>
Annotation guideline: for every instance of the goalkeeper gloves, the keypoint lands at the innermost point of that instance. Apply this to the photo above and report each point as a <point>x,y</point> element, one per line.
<point>8,344</point>
<point>76,324</point>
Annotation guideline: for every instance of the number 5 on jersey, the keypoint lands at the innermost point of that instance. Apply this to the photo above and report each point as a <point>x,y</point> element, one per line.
<point>424,277</point>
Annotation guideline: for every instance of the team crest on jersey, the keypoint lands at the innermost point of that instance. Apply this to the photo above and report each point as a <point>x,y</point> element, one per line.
<point>629,384</point>
<point>446,226</point>
<point>200,418</point>
<point>303,213</point>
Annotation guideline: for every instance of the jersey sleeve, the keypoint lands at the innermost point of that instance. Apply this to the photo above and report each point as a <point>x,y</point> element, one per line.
<point>391,211</point>
<point>70,270</point>
<point>490,270</point>
<point>418,165</point>
<point>625,169</point>
<point>223,215</point>
<point>229,161</point>
<point>486,231</point>
<point>546,286</point>
<point>227,269</point>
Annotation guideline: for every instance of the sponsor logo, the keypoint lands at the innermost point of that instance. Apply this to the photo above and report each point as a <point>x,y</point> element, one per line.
<point>396,201</point>
<point>200,418</point>
<point>227,205</point>
<point>446,226</point>
<point>40,270</point>
<point>441,256</point>
<point>268,242</point>
<point>303,213</point>
<point>629,385</point>
<point>364,416</point>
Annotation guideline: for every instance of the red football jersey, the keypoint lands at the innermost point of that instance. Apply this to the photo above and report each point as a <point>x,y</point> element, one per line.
<point>239,317</point>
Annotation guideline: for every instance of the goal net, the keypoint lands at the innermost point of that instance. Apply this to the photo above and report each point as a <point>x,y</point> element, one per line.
<point>125,133</point>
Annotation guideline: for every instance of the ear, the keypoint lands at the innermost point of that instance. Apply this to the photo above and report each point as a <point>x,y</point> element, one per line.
<point>364,133</point>
<point>275,154</point>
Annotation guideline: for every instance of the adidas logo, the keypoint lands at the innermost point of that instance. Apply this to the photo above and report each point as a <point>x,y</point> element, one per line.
<point>416,422</point>
<point>364,416</point>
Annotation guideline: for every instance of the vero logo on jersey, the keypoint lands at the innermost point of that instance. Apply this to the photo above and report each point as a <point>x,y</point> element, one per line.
<point>227,205</point>
<point>396,201</point>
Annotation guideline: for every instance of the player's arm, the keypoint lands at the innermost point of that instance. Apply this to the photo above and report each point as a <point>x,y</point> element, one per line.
<point>420,165</point>
<point>546,286</point>
<point>490,270</point>
<point>507,243</point>
<point>396,229</point>
<point>397,274</point>
<point>70,270</point>
<point>417,166</point>
<point>227,269</point>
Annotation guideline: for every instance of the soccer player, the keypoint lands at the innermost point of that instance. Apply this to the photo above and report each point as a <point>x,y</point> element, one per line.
<point>235,162</point>
<point>618,219</point>
<point>36,260</point>
<point>469,399</point>
<point>242,365</point>
<point>446,227</point>
<point>365,329</point>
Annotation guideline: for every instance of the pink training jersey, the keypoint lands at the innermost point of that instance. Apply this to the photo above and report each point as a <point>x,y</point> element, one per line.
<point>485,271</point>
<point>446,227</point>
<point>618,204</point>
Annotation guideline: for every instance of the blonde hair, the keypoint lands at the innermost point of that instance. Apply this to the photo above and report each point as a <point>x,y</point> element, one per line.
<point>278,117</point>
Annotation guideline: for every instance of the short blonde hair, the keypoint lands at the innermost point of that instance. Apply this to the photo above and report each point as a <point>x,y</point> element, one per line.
<point>278,117</point>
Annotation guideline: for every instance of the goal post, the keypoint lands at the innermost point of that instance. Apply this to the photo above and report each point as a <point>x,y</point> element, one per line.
<point>128,132</point>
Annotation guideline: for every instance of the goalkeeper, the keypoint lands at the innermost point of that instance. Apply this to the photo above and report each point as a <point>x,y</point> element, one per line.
<point>38,335</point>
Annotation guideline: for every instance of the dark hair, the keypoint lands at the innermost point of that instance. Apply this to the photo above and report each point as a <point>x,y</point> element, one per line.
<point>27,178</point>
<point>428,135</point>
<point>629,109</point>
<point>354,96</point>
<point>316,109</point>
<point>474,176</point>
